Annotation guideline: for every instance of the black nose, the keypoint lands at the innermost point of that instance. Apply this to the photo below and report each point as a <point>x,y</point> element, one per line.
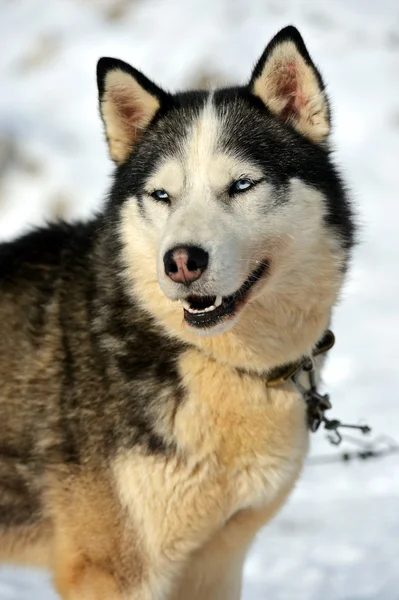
<point>185,264</point>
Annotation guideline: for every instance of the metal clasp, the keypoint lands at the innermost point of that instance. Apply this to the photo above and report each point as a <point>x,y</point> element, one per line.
<point>318,403</point>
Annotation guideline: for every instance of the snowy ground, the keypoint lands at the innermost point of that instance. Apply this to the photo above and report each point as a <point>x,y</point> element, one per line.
<point>338,537</point>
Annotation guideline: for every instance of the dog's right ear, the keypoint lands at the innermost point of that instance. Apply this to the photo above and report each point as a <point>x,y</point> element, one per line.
<point>128,103</point>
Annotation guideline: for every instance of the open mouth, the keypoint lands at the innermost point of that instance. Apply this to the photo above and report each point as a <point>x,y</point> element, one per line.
<point>208,311</point>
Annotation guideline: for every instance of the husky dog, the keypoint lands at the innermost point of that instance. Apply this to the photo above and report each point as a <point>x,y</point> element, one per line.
<point>141,448</point>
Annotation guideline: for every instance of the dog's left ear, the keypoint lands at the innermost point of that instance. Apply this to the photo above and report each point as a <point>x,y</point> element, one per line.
<point>288,83</point>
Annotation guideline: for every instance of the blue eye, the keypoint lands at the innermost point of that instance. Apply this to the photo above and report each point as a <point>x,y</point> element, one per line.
<point>160,195</point>
<point>241,185</point>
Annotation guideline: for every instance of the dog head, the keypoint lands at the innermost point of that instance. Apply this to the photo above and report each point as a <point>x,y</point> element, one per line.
<point>233,221</point>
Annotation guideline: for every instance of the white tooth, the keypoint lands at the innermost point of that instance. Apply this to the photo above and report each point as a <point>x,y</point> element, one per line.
<point>185,303</point>
<point>198,311</point>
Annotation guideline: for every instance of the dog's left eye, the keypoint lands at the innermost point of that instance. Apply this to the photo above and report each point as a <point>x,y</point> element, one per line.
<point>160,195</point>
<point>241,185</point>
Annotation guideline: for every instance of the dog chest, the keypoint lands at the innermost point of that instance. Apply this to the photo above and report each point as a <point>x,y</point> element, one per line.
<point>239,448</point>
<point>254,435</point>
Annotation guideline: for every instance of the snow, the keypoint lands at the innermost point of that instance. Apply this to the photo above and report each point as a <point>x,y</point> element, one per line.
<point>338,536</point>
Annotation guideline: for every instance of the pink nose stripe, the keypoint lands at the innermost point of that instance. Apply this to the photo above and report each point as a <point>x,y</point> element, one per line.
<point>183,275</point>
<point>181,260</point>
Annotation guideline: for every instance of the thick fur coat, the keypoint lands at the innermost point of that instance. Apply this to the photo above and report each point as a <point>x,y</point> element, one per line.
<point>140,447</point>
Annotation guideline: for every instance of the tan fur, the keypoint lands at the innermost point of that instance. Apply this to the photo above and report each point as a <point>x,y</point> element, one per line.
<point>215,571</point>
<point>95,553</point>
<point>289,88</point>
<point>27,544</point>
<point>126,108</point>
<point>241,447</point>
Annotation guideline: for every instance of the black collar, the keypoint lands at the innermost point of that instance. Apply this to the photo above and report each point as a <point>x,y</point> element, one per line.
<point>282,373</point>
<point>317,403</point>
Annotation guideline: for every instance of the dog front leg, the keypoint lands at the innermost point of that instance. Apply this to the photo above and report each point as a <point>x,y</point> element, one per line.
<point>106,549</point>
<point>95,552</point>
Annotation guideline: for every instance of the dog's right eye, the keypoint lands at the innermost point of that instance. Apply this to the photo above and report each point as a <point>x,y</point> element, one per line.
<point>160,195</point>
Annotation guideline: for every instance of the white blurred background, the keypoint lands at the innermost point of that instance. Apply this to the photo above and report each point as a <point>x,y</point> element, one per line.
<point>338,536</point>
